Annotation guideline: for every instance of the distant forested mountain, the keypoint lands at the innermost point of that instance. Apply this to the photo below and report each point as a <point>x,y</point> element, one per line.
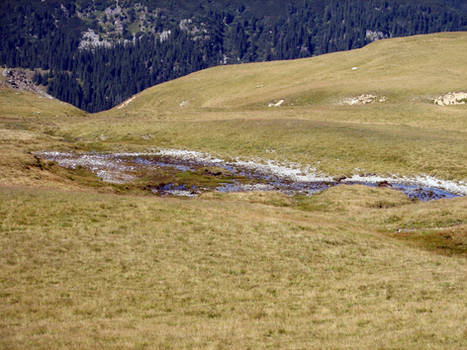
<point>97,53</point>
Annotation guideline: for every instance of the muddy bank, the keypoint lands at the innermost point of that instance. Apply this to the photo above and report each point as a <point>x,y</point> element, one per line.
<point>188,174</point>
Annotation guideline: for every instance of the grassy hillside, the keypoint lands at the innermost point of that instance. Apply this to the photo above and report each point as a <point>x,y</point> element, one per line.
<point>27,123</point>
<point>224,110</point>
<point>402,69</point>
<point>86,265</point>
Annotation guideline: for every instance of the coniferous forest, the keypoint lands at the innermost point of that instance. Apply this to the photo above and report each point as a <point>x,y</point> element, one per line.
<point>95,54</point>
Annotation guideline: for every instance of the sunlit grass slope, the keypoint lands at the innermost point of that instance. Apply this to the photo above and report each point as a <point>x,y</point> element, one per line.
<point>224,110</point>
<point>27,123</point>
<point>26,105</point>
<point>401,69</point>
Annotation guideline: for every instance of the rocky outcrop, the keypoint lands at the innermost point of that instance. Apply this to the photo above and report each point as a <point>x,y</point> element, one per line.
<point>373,35</point>
<point>363,100</point>
<point>21,79</point>
<point>451,98</point>
<point>91,39</point>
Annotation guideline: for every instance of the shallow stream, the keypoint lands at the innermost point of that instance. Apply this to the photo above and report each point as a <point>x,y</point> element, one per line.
<point>188,174</point>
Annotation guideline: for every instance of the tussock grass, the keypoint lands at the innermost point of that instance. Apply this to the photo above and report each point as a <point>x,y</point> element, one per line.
<point>121,272</point>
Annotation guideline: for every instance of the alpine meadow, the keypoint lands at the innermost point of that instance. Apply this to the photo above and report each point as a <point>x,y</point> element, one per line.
<point>309,203</point>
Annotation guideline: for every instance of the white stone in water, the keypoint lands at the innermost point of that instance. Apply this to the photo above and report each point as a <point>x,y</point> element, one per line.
<point>181,193</point>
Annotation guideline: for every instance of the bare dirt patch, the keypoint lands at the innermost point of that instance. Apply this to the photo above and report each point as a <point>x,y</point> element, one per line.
<point>126,103</point>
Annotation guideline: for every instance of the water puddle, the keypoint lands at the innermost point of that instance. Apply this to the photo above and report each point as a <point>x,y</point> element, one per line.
<point>175,190</point>
<point>188,174</point>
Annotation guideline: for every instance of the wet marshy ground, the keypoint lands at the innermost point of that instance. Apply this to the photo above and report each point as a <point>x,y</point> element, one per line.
<point>188,174</point>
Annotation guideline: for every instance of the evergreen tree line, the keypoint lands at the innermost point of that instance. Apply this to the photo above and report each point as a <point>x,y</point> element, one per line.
<point>104,77</point>
<point>46,35</point>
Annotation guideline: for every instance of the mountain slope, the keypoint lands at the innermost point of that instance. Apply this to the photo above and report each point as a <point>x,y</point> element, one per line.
<point>402,69</point>
<point>27,123</point>
<point>105,51</point>
<point>224,110</point>
<point>87,264</point>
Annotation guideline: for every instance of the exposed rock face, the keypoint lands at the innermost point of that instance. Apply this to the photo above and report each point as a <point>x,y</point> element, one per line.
<point>21,79</point>
<point>372,35</point>
<point>92,40</point>
<point>363,99</point>
<point>164,36</point>
<point>451,98</point>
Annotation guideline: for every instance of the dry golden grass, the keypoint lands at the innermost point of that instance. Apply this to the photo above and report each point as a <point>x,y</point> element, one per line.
<point>351,268</point>
<point>87,271</point>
